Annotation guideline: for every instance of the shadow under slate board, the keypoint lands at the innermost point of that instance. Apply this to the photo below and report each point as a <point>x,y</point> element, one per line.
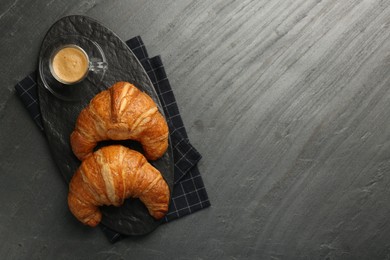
<point>61,105</point>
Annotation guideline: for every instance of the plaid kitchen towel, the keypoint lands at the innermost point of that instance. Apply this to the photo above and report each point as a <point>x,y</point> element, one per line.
<point>189,193</point>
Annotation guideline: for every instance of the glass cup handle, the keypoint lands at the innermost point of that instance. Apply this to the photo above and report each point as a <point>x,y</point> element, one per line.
<point>97,65</point>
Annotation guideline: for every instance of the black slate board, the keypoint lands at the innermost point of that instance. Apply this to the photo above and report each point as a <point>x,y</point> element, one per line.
<point>60,112</point>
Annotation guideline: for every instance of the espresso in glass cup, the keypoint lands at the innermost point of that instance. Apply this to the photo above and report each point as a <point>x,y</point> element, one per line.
<point>70,64</point>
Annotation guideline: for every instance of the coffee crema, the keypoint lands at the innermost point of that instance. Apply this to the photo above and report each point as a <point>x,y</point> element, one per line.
<point>70,65</point>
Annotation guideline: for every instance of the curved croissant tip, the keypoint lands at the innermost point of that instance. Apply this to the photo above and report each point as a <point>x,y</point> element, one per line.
<point>159,215</point>
<point>94,221</point>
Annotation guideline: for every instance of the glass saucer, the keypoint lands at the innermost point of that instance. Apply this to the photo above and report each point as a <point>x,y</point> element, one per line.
<point>76,91</point>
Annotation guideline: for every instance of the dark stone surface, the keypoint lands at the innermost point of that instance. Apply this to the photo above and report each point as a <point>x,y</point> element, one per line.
<point>287,101</point>
<point>61,106</point>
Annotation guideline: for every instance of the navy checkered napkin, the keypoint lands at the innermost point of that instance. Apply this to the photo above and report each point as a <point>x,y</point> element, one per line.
<point>189,194</point>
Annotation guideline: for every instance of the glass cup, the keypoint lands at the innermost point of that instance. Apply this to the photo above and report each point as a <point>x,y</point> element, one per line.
<point>70,64</point>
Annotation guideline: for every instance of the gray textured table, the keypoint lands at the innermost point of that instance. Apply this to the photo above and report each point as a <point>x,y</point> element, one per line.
<point>288,101</point>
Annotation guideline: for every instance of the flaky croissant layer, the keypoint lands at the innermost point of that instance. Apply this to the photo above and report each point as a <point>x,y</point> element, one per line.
<point>119,113</point>
<point>108,177</point>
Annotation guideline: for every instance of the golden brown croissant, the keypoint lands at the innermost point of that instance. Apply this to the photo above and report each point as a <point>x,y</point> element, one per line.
<point>119,113</point>
<point>108,177</point>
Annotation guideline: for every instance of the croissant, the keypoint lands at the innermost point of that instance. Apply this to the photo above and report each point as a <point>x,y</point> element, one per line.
<point>119,113</point>
<point>108,177</point>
